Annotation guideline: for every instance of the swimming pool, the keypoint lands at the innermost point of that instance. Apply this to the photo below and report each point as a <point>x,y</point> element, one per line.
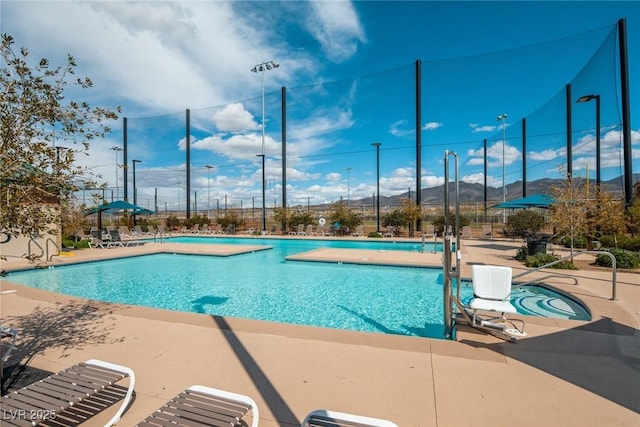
<point>263,286</point>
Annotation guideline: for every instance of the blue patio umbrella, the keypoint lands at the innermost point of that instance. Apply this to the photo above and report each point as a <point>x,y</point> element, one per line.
<point>535,201</point>
<point>117,206</point>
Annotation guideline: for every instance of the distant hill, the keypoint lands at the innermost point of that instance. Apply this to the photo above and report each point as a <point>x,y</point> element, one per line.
<point>475,192</point>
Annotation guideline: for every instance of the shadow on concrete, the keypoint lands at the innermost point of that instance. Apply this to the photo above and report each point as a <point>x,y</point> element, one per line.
<point>69,326</point>
<point>602,356</point>
<point>277,405</point>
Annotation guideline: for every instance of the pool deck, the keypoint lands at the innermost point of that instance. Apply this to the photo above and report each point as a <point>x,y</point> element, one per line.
<point>563,373</point>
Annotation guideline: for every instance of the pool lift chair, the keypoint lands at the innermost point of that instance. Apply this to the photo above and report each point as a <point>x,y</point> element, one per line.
<point>491,293</point>
<point>491,283</point>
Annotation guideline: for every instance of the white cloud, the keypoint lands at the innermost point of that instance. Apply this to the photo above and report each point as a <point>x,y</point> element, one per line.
<point>234,118</point>
<point>335,25</point>
<point>432,126</point>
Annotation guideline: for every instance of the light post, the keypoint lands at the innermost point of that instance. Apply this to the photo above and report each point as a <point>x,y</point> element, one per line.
<point>116,149</point>
<point>588,98</point>
<point>377,145</point>
<point>503,117</point>
<point>135,193</point>
<point>348,186</point>
<point>265,66</point>
<point>264,216</point>
<point>209,167</point>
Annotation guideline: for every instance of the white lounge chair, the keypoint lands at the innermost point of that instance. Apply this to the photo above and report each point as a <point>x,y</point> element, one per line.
<point>49,397</point>
<point>309,231</point>
<point>359,231</point>
<point>430,231</point>
<point>8,337</point>
<point>466,232</point>
<point>325,418</point>
<point>300,231</point>
<point>492,293</point>
<point>205,406</point>
<point>487,232</point>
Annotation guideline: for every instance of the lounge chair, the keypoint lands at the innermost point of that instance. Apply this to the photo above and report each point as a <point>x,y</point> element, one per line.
<point>309,230</point>
<point>49,397</point>
<point>194,229</point>
<point>205,229</point>
<point>388,232</point>
<point>115,239</point>
<point>139,232</point>
<point>96,241</point>
<point>492,293</point>
<point>487,232</point>
<point>9,336</point>
<point>430,231</point>
<point>205,406</point>
<point>300,231</point>
<point>218,229</point>
<point>325,418</point>
<point>466,232</point>
<point>359,231</point>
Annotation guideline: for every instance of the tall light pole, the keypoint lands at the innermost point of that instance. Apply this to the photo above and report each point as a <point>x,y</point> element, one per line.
<point>209,167</point>
<point>116,149</point>
<point>377,145</point>
<point>588,98</point>
<point>135,192</point>
<point>262,67</point>
<point>348,186</point>
<point>503,117</point>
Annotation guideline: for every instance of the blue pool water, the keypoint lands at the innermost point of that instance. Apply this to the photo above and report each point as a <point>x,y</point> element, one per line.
<point>263,286</point>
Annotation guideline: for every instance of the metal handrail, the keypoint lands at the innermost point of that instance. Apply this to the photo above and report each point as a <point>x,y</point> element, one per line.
<point>29,254</point>
<point>55,245</point>
<point>571,256</point>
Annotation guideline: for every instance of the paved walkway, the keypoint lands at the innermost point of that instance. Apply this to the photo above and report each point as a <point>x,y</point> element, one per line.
<point>564,373</point>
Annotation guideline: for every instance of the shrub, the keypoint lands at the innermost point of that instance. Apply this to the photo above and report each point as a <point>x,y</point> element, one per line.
<point>540,259</point>
<point>374,234</point>
<point>624,259</point>
<point>522,253</point>
<point>621,242</point>
<point>579,242</point>
<point>525,222</point>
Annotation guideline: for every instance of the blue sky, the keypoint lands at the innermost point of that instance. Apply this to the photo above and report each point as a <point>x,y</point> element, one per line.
<point>349,70</point>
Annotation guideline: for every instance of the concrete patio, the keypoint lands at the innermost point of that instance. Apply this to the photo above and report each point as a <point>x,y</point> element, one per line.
<point>564,373</point>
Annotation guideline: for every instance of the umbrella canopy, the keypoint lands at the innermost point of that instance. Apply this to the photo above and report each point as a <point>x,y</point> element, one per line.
<point>535,201</point>
<point>117,206</point>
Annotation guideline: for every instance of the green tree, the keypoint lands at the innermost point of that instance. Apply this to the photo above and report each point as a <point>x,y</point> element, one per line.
<point>525,222</point>
<point>36,124</point>
<point>403,216</point>
<point>633,217</point>
<point>345,216</point>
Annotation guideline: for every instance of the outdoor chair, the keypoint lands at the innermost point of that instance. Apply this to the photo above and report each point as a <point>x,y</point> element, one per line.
<point>359,231</point>
<point>116,239</point>
<point>8,337</point>
<point>487,232</point>
<point>47,399</point>
<point>300,230</point>
<point>388,232</point>
<point>309,231</point>
<point>325,418</point>
<point>430,231</point>
<point>205,406</point>
<point>466,232</point>
<point>96,241</point>
<point>492,293</point>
